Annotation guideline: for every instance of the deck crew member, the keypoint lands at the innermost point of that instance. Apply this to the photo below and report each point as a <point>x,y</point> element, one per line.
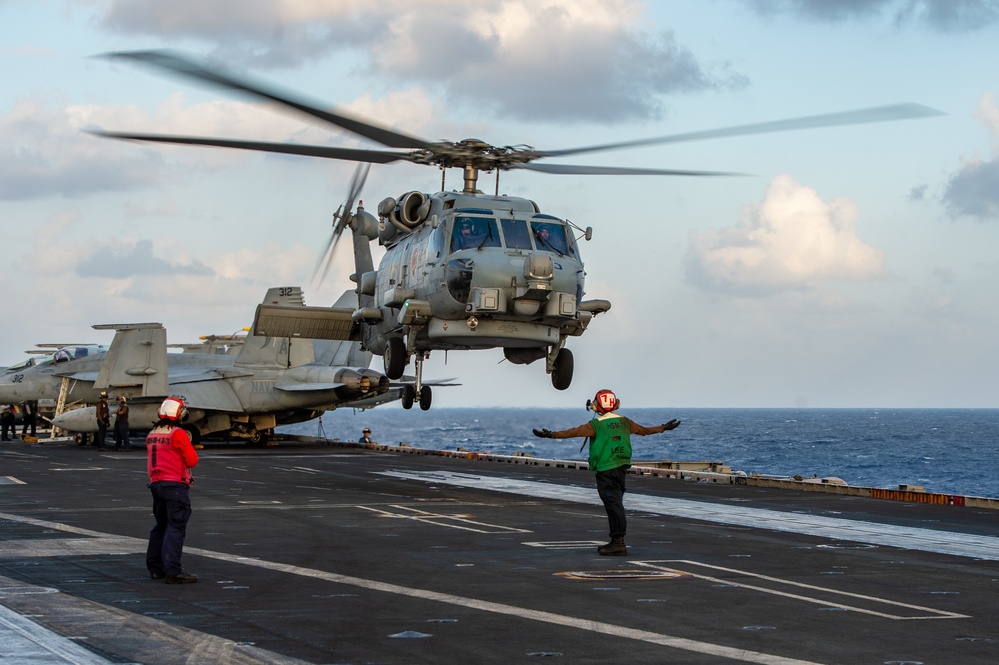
<point>121,441</point>
<point>103,420</point>
<point>609,437</point>
<point>170,458</point>
<point>7,419</point>
<point>29,417</point>
<point>366,436</point>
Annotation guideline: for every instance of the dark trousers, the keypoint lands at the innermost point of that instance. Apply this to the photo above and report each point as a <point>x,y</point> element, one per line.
<point>30,421</point>
<point>121,434</point>
<point>102,432</point>
<point>610,487</point>
<point>172,510</point>
<point>9,427</point>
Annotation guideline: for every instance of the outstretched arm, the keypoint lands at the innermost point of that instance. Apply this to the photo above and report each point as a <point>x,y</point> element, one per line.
<point>582,430</point>
<point>655,429</point>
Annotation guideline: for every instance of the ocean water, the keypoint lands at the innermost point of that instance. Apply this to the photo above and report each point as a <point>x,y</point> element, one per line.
<point>953,451</point>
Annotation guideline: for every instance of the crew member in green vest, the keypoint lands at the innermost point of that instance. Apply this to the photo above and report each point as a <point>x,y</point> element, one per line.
<point>609,436</point>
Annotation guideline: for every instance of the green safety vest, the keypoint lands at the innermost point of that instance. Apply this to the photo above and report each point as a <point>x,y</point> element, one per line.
<point>611,446</point>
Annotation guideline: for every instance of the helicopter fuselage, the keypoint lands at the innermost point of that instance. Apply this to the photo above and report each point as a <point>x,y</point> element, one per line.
<point>474,272</point>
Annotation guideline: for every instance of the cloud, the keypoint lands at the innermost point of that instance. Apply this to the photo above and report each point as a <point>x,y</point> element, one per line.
<point>945,16</point>
<point>545,60</point>
<point>117,262</point>
<point>46,152</point>
<point>973,191</point>
<point>791,240</point>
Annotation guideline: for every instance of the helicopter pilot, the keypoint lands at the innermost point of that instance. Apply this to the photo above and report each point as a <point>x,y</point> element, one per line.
<point>468,234</point>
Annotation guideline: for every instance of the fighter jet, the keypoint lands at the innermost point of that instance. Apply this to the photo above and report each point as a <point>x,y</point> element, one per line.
<point>271,381</point>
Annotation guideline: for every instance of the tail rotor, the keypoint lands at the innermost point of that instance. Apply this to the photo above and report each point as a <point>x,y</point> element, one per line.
<point>342,218</point>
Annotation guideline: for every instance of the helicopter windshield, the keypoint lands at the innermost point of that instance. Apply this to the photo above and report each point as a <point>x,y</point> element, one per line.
<point>515,234</point>
<point>474,233</point>
<point>550,237</point>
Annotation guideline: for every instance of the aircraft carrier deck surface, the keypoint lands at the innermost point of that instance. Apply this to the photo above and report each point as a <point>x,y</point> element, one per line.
<point>317,554</point>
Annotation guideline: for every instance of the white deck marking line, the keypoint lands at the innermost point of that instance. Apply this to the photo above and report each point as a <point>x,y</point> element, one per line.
<point>834,528</point>
<point>36,643</point>
<point>588,625</point>
<point>939,614</point>
<point>432,518</point>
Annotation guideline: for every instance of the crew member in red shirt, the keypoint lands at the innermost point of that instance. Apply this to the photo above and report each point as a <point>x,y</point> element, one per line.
<point>170,458</point>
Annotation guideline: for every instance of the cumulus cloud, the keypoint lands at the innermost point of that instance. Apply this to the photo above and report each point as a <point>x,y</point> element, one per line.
<point>547,60</point>
<point>137,259</point>
<point>46,152</point>
<point>791,240</point>
<point>973,191</point>
<point>945,16</point>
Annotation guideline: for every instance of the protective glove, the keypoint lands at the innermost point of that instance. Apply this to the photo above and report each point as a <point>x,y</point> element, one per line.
<point>673,424</point>
<point>543,433</point>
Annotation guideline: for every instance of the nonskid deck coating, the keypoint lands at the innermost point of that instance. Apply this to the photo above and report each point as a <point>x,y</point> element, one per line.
<point>320,555</point>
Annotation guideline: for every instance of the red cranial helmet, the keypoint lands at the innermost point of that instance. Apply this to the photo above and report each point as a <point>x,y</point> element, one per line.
<point>173,408</point>
<point>605,401</point>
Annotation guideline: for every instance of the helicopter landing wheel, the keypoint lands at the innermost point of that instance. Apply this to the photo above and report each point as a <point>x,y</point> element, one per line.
<point>426,397</point>
<point>562,370</point>
<point>408,396</point>
<point>395,358</point>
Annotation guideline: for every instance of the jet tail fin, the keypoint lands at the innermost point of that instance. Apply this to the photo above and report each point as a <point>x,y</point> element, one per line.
<point>136,363</point>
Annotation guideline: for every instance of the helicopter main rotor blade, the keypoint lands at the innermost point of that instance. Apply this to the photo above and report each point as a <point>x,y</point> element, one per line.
<point>569,169</point>
<point>173,62</point>
<point>857,117</point>
<point>327,152</point>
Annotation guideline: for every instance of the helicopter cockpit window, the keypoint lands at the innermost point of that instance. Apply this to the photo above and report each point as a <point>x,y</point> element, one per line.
<point>474,233</point>
<point>515,234</point>
<point>551,237</point>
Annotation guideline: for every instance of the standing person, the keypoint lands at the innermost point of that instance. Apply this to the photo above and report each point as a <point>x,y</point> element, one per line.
<point>29,417</point>
<point>609,436</point>
<point>170,458</point>
<point>7,421</point>
<point>121,441</point>
<point>103,420</point>
<point>366,436</point>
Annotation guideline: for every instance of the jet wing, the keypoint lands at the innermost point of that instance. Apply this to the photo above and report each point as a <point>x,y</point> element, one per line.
<point>195,374</point>
<point>209,396</point>
<point>78,376</point>
<point>305,322</point>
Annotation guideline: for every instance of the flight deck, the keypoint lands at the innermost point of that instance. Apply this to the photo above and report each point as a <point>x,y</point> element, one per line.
<point>309,553</point>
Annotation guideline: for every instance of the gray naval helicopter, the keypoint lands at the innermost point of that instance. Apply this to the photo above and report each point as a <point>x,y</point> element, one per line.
<point>462,269</point>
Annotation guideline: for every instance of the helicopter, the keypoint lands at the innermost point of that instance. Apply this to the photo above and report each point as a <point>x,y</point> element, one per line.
<point>462,269</point>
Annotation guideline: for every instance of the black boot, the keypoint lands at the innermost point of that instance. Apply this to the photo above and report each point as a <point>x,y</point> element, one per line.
<point>615,547</point>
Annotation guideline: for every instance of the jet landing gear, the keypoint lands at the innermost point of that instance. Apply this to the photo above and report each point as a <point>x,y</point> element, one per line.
<point>410,391</point>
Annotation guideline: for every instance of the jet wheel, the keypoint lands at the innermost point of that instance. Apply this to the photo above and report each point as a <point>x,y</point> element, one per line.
<point>426,397</point>
<point>408,396</point>
<point>395,358</point>
<point>195,434</point>
<point>562,370</point>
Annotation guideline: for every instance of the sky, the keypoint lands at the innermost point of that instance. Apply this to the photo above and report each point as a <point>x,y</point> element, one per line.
<point>854,267</point>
